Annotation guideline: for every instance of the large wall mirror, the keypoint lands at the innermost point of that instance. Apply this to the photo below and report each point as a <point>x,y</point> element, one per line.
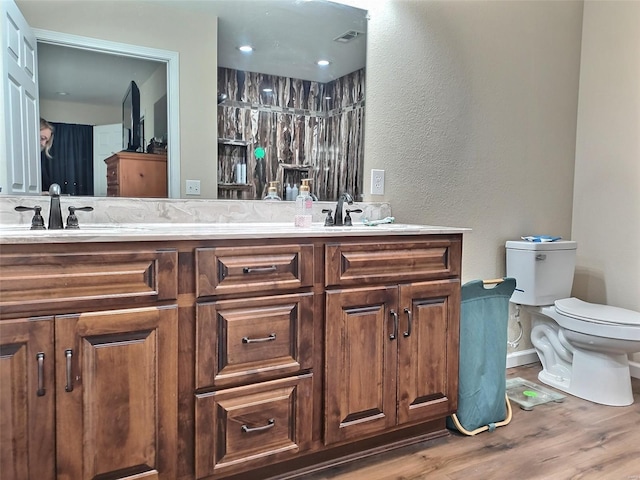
<point>294,131</point>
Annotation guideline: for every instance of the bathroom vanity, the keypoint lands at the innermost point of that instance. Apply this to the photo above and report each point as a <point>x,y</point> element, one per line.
<point>223,351</point>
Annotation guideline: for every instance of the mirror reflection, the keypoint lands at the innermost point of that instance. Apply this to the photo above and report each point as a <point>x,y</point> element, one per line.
<point>301,132</point>
<point>292,112</point>
<point>98,105</point>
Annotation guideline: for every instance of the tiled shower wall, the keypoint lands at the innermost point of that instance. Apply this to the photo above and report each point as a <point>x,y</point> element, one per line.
<point>302,132</point>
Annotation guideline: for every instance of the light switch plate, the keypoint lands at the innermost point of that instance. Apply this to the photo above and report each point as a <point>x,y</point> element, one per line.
<point>377,182</point>
<point>193,187</point>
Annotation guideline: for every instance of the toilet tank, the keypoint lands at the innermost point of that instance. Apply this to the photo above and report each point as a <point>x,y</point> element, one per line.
<point>543,271</point>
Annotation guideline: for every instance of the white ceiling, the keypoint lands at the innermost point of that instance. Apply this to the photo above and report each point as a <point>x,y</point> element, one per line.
<point>289,36</point>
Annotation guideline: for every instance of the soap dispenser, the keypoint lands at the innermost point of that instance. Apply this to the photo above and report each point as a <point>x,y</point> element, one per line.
<point>304,206</point>
<point>272,194</point>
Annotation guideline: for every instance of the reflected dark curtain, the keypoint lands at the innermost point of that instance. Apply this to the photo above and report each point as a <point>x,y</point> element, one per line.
<point>71,165</point>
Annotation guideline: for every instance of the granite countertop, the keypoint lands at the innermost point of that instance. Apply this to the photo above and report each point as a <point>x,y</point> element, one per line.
<point>128,232</point>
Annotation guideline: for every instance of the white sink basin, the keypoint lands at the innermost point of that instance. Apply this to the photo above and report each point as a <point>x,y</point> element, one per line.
<point>95,229</point>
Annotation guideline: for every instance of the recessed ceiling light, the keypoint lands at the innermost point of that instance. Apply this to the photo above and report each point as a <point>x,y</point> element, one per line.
<point>246,48</point>
<point>323,63</point>
<point>267,90</point>
<point>63,94</point>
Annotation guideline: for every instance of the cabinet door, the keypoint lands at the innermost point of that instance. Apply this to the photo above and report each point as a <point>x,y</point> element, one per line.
<point>116,375</point>
<point>428,350</point>
<point>361,362</point>
<point>27,399</point>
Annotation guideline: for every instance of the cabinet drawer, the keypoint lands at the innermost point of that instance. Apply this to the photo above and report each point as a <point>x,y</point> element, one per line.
<point>367,263</point>
<point>253,339</point>
<point>63,282</point>
<point>248,427</point>
<point>227,270</point>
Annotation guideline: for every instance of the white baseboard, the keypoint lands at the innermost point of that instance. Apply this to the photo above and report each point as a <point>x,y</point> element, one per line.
<point>522,357</point>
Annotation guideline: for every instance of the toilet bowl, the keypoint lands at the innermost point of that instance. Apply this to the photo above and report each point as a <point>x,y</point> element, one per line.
<point>584,349</point>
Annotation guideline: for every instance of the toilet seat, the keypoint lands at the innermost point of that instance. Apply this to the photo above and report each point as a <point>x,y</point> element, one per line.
<point>596,313</point>
<point>613,328</point>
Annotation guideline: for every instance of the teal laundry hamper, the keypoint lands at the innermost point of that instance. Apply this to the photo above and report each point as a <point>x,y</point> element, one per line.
<point>482,399</point>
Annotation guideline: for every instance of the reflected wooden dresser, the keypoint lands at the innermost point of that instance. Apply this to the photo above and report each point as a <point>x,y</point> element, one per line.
<point>133,174</point>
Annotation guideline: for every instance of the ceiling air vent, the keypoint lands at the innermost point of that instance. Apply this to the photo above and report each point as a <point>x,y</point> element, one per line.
<point>348,36</point>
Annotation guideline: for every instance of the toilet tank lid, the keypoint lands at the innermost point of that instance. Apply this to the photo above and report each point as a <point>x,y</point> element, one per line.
<point>593,312</point>
<point>541,246</point>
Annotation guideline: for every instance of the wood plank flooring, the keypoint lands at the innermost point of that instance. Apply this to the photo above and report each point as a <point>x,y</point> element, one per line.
<point>574,440</point>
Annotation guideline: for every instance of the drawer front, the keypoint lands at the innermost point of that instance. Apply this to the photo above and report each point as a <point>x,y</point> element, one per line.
<point>253,339</point>
<point>227,270</point>
<point>349,264</point>
<point>247,427</point>
<point>65,282</point>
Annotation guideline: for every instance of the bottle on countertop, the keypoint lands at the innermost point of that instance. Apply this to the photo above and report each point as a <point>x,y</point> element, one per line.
<point>272,194</point>
<point>304,206</point>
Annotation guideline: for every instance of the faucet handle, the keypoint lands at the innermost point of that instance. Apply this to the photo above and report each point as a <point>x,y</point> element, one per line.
<point>328,222</point>
<point>72,219</point>
<point>37,222</point>
<point>347,219</point>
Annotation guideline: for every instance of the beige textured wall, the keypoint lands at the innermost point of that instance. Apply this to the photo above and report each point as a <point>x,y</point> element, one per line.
<point>192,35</point>
<point>471,111</point>
<point>75,112</point>
<point>606,202</point>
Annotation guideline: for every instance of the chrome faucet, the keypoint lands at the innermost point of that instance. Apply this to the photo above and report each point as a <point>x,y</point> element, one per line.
<point>337,218</point>
<point>55,214</point>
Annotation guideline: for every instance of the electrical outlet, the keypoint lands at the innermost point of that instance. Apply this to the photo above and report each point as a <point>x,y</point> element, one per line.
<point>377,182</point>
<point>193,187</point>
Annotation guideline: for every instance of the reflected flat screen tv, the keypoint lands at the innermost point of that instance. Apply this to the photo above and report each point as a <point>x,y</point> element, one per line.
<point>131,140</point>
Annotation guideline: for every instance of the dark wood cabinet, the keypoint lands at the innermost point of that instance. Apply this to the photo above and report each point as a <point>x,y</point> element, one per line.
<point>90,394</point>
<point>254,356</point>
<point>217,358</point>
<point>393,363</point>
<point>392,350</point>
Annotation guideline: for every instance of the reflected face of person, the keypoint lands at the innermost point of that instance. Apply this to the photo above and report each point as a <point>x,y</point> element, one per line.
<point>45,136</point>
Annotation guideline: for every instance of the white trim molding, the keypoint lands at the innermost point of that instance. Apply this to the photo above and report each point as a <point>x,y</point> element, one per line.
<point>522,357</point>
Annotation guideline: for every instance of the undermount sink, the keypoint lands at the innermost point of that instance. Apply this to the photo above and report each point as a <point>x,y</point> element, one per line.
<point>89,229</point>
<point>359,227</point>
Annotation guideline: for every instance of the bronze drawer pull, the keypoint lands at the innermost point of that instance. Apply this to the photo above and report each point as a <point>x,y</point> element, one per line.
<point>69,386</point>
<point>270,424</point>
<point>409,322</point>
<point>40,359</point>
<point>394,334</point>
<point>272,268</point>
<point>270,338</point>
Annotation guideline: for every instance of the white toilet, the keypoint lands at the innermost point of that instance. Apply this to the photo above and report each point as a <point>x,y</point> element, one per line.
<point>583,347</point>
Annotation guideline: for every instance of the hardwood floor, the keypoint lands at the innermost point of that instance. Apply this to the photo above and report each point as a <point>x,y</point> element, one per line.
<point>574,439</point>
